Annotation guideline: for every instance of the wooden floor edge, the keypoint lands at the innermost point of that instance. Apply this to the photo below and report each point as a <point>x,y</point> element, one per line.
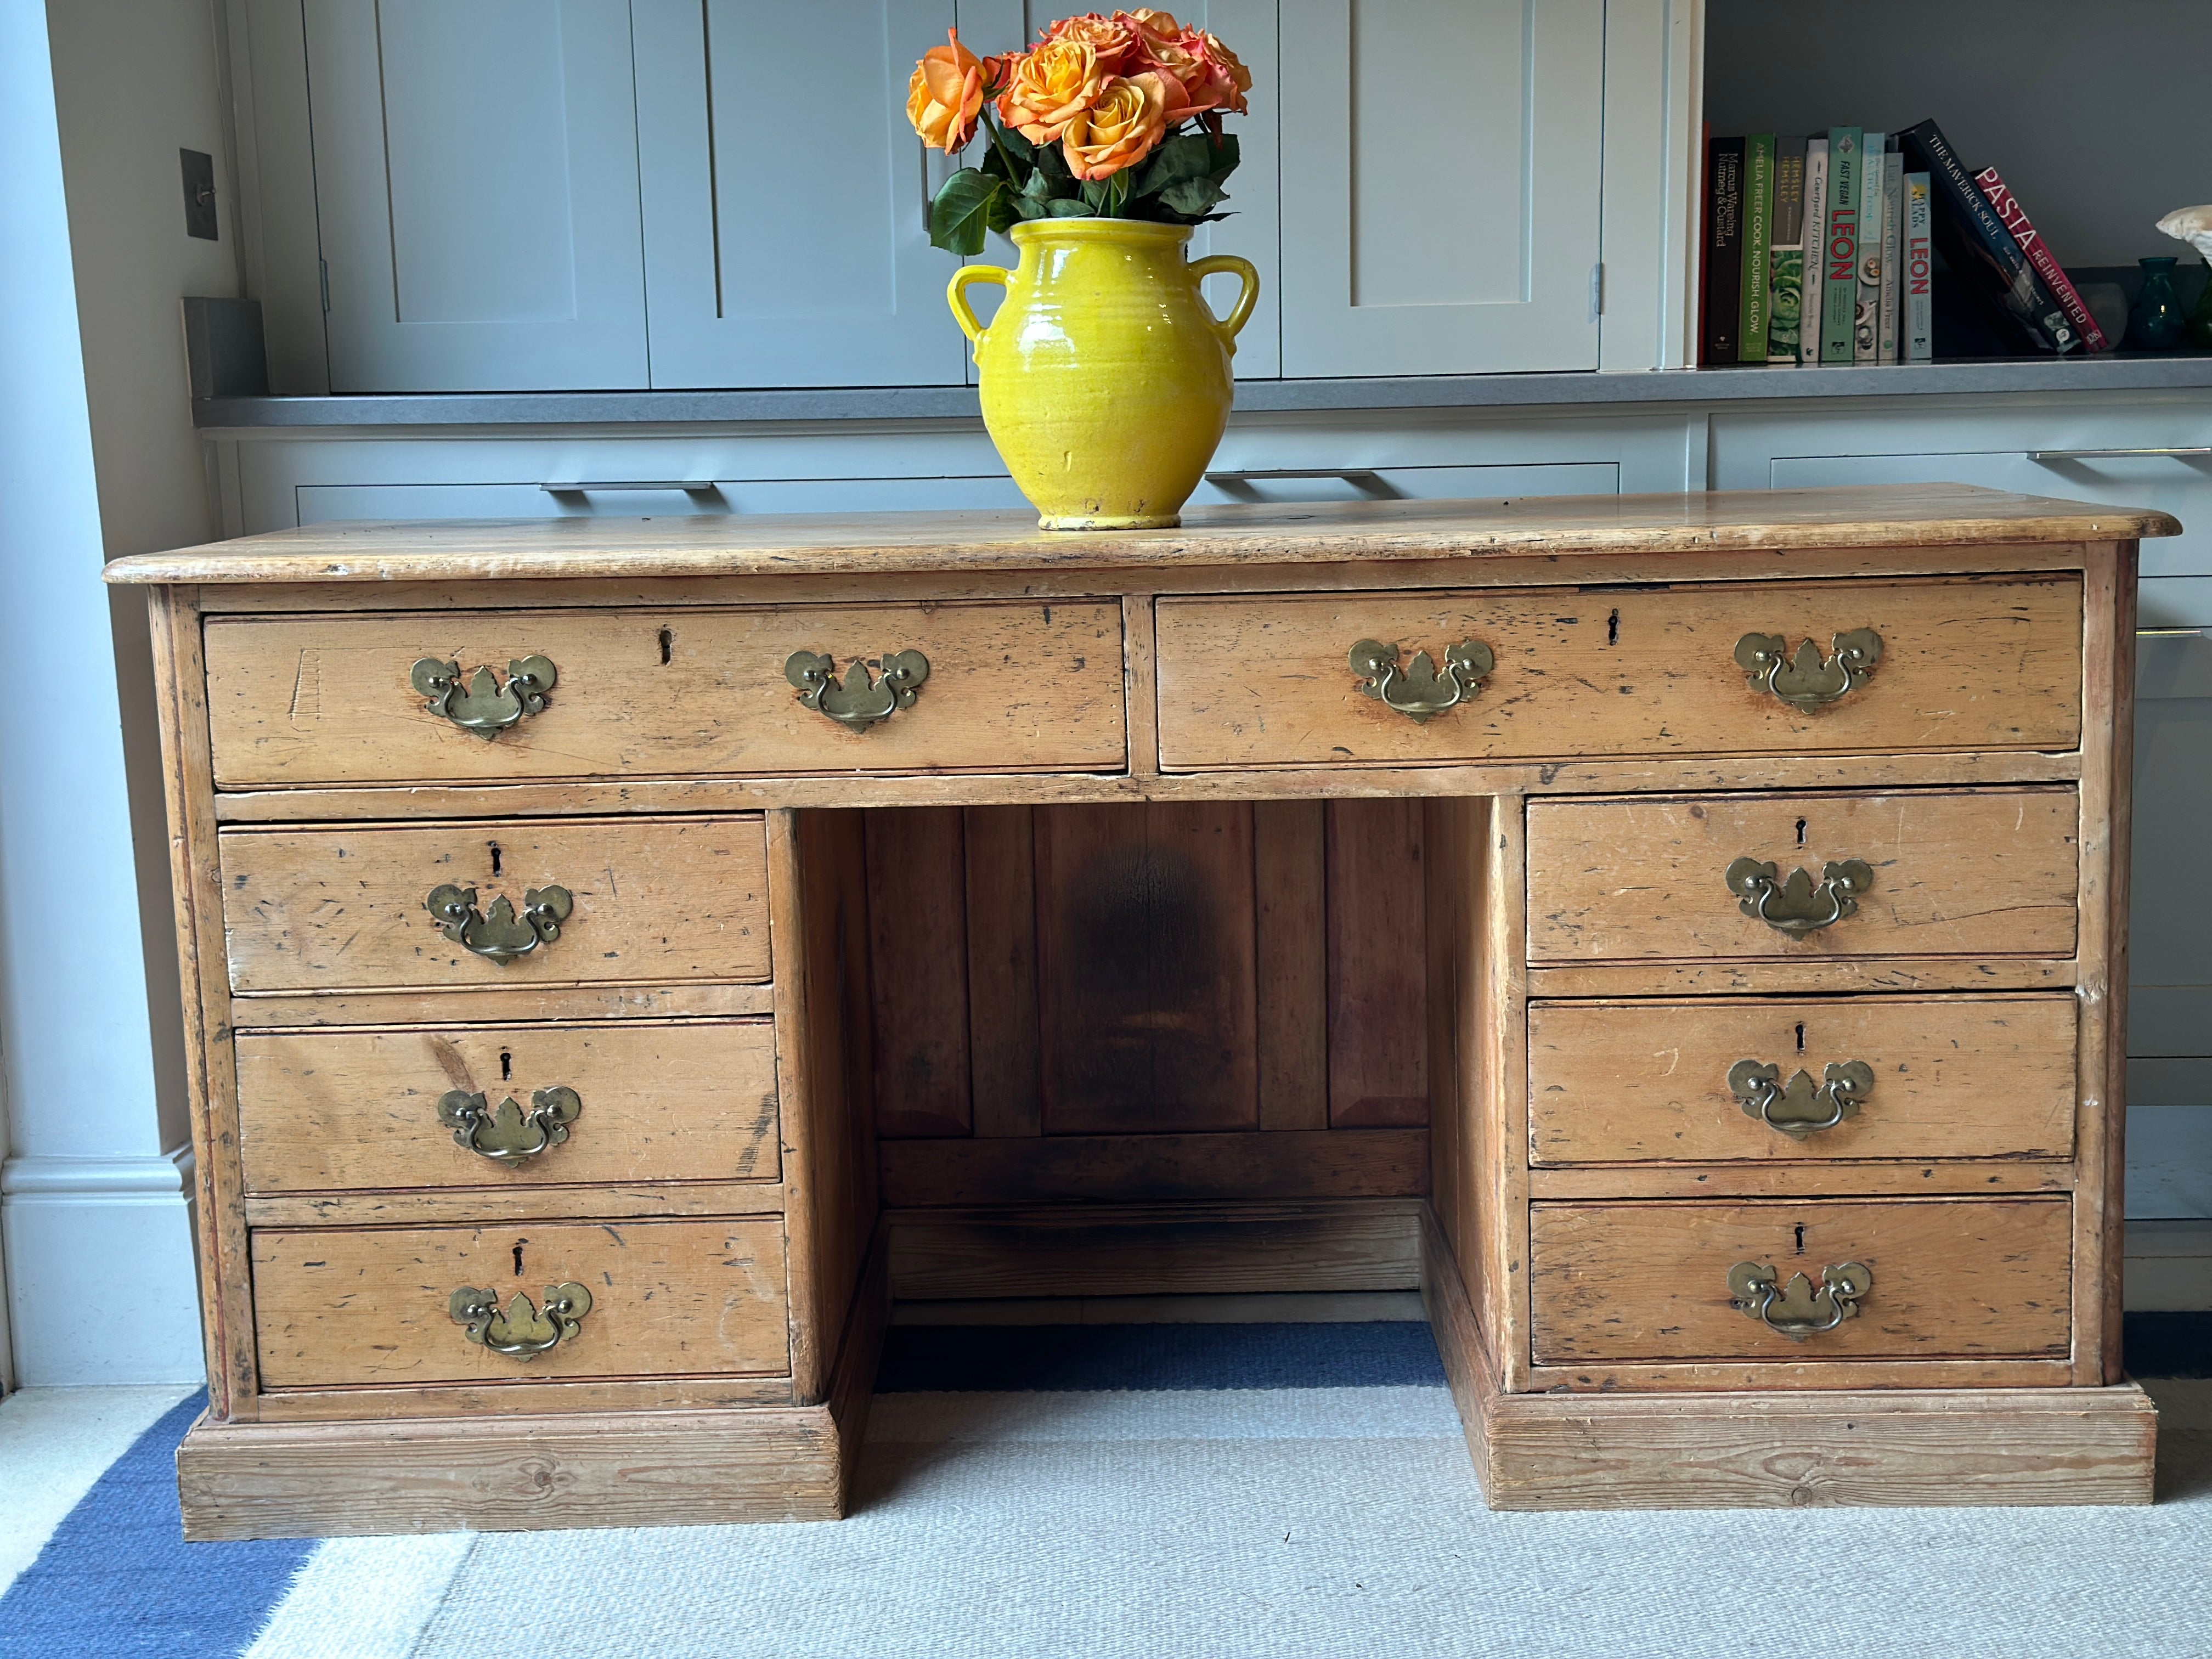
<point>1862,1447</point>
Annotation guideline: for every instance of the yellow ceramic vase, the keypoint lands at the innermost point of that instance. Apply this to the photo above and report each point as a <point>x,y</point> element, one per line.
<point>1105,376</point>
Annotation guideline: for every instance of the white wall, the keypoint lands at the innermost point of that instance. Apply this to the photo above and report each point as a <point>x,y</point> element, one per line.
<point>96,422</point>
<point>2093,113</point>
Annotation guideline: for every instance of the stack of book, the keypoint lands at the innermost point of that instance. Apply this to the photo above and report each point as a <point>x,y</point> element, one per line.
<point>1830,256</point>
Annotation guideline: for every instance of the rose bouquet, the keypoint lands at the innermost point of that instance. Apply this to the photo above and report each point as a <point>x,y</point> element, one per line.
<point>1116,118</point>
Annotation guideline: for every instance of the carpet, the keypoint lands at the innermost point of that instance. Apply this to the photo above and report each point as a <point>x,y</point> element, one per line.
<point>1265,1491</point>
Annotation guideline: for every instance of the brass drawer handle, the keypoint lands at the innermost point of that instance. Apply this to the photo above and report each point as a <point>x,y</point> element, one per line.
<point>487,707</point>
<point>1809,1109</point>
<point>505,1133</point>
<point>522,1332</point>
<point>1804,681</point>
<point>1418,691</point>
<point>1795,904</point>
<point>1797,1310</point>
<point>861,700</point>
<point>502,935</point>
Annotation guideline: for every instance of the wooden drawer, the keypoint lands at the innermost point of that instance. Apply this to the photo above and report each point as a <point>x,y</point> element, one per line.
<point>1963,873</point>
<point>329,699</point>
<point>1952,1077</point>
<point>1956,1278</point>
<point>652,900</point>
<point>1988,662</point>
<point>322,1111</point>
<point>335,1308</point>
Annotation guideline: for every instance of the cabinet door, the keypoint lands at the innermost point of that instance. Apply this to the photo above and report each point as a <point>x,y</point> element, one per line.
<point>476,183</point>
<point>1440,163</point>
<point>786,198</point>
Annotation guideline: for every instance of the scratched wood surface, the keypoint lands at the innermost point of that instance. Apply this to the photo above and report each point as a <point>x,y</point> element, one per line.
<point>1263,680</point>
<point>1955,873</point>
<point>336,1307</point>
<point>324,1110</point>
<point>324,699</point>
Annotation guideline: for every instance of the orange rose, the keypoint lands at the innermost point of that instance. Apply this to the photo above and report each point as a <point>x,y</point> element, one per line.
<point>945,96</point>
<point>1120,130</point>
<point>1151,27</point>
<point>1184,60</point>
<point>1048,88</point>
<point>1226,77</point>
<point>1112,42</point>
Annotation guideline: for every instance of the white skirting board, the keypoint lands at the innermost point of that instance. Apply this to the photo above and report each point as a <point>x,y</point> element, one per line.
<point>100,1282</point>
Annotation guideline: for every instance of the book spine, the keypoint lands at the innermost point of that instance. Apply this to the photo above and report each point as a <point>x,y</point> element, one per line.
<point>1758,242</point>
<point>1892,214</point>
<point>1724,253</point>
<point>1816,238</point>
<point>1919,345</point>
<point>1785,286</point>
<point>1981,250</point>
<point>1704,279</point>
<point>1866,313</point>
<point>2015,220</point>
<point>1840,273</point>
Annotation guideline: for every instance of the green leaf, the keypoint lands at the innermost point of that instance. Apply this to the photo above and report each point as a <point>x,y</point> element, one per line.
<point>1070,207</point>
<point>1018,147</point>
<point>1194,196</point>
<point>1052,160</point>
<point>962,211</point>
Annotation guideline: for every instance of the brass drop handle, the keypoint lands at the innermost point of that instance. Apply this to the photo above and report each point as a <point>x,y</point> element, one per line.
<point>486,707</point>
<point>1418,690</point>
<point>1797,1310</point>
<point>1807,1108</point>
<point>505,1133</point>
<point>1804,680</point>
<point>522,1332</point>
<point>861,700</point>
<point>501,935</point>
<point>1796,904</point>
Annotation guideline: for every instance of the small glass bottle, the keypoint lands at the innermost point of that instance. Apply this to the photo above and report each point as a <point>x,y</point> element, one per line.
<point>2155,321</point>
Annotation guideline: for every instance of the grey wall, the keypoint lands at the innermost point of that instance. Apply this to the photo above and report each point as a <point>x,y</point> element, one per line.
<point>2095,113</point>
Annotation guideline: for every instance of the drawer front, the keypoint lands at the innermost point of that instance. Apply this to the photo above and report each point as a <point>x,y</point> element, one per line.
<point>650,900</point>
<point>1905,1078</point>
<point>323,1111</point>
<point>331,700</point>
<point>1964,664</point>
<point>1947,872</point>
<point>1948,1278</point>
<point>334,1309</point>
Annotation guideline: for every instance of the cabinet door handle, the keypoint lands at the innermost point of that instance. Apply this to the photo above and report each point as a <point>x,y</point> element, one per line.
<point>1418,691</point>
<point>1797,1310</point>
<point>1804,680</point>
<point>1807,1108</point>
<point>522,1332</point>
<point>487,707</point>
<point>505,1133</point>
<point>2048,455</point>
<point>1796,904</point>
<point>861,700</point>
<point>501,935</point>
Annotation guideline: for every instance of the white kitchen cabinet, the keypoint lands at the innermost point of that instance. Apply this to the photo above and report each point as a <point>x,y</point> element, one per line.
<point>476,194</point>
<point>1442,161</point>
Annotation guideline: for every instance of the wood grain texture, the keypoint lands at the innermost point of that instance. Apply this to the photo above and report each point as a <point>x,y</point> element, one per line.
<point>1843,1178</point>
<point>1953,1078</point>
<point>918,967</point>
<point>1290,882</point>
<point>1810,1448</point>
<point>391,1402</point>
<point>320,700</point>
<point>1951,1277</point>
<point>1829,976</point>
<point>1002,970</point>
<point>1956,873</point>
<point>1184,1249</point>
<point>1992,662</point>
<point>335,1308</point>
<point>493,1003</point>
<point>1158,1168</point>
<point>343,910</point>
<point>438,1206</point>
<point>358,1109</point>
<point>1896,516</point>
<point>1145,971</point>
<point>1377,954</point>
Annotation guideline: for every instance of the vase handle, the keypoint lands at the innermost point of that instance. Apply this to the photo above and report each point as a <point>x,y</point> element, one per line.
<point>956,295</point>
<point>1229,327</point>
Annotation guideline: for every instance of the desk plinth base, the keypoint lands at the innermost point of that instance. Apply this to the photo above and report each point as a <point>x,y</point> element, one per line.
<point>1841,1448</point>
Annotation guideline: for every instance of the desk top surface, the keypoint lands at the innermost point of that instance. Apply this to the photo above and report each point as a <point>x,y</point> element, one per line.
<point>1910,515</point>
